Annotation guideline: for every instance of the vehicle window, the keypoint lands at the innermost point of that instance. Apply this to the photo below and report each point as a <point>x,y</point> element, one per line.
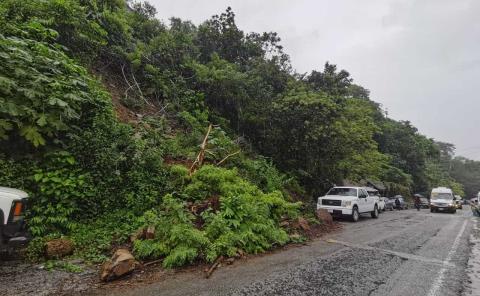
<point>437,195</point>
<point>343,191</point>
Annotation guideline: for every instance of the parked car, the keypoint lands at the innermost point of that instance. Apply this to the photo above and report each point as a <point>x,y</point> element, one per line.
<point>349,201</point>
<point>12,224</point>
<point>381,200</point>
<point>442,200</point>
<point>400,203</point>
<point>424,203</point>
<point>459,204</point>
<point>389,203</point>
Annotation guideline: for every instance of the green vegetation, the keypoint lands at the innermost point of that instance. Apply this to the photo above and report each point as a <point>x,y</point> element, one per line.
<point>103,109</point>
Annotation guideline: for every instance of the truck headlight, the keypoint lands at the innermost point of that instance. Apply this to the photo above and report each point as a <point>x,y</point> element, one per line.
<point>346,203</point>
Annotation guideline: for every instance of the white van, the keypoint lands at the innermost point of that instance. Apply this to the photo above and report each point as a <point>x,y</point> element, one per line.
<point>442,200</point>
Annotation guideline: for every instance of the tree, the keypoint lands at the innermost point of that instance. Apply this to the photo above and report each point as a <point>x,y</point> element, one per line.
<point>330,80</point>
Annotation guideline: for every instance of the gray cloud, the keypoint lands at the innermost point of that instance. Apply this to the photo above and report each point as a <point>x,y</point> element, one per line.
<point>419,58</point>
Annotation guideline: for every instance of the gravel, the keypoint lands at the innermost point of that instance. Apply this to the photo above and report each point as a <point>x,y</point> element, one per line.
<point>19,279</point>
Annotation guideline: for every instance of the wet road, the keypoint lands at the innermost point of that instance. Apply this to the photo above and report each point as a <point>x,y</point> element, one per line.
<point>401,253</point>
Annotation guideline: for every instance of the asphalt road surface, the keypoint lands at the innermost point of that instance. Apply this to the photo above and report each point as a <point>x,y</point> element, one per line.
<point>401,253</point>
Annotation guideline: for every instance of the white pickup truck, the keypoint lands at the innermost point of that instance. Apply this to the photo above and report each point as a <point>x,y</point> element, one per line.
<point>349,201</point>
<point>12,223</point>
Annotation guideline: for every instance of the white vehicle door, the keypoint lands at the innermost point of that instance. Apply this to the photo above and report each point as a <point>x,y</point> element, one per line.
<point>363,201</point>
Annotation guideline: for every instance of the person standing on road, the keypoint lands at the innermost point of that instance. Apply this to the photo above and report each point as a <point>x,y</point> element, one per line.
<point>417,202</point>
<point>397,204</point>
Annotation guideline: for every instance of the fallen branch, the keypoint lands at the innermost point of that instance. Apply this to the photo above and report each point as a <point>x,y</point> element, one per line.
<point>127,82</point>
<point>131,86</point>
<point>213,267</point>
<point>152,262</point>
<point>139,90</point>
<point>226,157</point>
<point>201,155</point>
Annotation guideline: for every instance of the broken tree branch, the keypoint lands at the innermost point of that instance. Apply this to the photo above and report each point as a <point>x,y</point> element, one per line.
<point>127,82</point>
<point>152,262</point>
<point>213,267</point>
<point>201,155</point>
<point>140,90</point>
<point>226,157</point>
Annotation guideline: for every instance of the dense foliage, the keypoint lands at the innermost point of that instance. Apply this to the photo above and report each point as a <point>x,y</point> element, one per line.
<point>103,108</point>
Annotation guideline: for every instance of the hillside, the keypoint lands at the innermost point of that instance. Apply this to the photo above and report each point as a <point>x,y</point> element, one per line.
<point>114,121</point>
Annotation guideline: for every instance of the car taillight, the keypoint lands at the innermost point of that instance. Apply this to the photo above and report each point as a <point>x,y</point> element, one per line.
<point>17,211</point>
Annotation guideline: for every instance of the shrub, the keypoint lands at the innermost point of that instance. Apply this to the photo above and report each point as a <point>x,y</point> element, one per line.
<point>94,238</point>
<point>175,236</point>
<point>217,213</point>
<point>63,194</point>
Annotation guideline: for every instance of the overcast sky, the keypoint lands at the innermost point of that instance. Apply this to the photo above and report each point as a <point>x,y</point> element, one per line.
<point>419,58</point>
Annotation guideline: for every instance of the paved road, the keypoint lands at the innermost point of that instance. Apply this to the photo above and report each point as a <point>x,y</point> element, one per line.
<point>401,253</point>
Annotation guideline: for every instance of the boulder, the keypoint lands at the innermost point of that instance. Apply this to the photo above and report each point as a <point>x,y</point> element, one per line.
<point>58,248</point>
<point>324,216</point>
<point>121,263</point>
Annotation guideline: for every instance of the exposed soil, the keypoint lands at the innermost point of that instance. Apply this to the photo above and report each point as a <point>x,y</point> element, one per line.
<point>117,87</point>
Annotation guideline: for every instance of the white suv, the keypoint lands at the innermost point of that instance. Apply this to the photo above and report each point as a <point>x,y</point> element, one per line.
<point>349,201</point>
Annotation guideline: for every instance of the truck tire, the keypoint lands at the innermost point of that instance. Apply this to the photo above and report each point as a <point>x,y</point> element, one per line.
<point>374,213</point>
<point>355,214</point>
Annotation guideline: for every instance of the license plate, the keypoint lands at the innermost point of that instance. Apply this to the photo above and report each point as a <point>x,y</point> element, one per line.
<point>440,209</point>
<point>337,212</point>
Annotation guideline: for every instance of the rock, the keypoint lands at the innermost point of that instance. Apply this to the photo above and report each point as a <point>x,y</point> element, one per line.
<point>150,232</point>
<point>324,216</point>
<point>303,224</point>
<point>58,248</point>
<point>122,263</point>
<point>230,261</point>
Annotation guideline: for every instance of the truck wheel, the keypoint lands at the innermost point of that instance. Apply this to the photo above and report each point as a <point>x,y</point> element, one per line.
<point>374,213</point>
<point>355,214</point>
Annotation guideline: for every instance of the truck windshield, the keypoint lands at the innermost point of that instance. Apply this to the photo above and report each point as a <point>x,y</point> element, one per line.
<point>436,195</point>
<point>343,191</point>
